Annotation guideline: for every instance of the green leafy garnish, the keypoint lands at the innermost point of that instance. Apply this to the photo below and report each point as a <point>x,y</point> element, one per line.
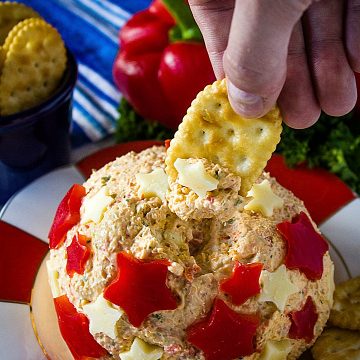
<point>105,179</point>
<point>332,143</point>
<point>132,126</point>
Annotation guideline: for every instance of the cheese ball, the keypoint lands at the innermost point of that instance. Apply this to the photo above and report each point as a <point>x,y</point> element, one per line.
<point>163,270</point>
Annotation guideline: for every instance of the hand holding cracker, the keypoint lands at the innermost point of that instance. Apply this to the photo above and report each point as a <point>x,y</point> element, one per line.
<point>212,130</point>
<point>304,50</point>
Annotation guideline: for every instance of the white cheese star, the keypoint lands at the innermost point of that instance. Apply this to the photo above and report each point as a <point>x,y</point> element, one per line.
<point>95,207</point>
<point>276,350</point>
<point>194,176</point>
<point>276,287</point>
<point>53,277</point>
<point>140,350</point>
<point>102,316</point>
<point>264,200</point>
<point>153,184</point>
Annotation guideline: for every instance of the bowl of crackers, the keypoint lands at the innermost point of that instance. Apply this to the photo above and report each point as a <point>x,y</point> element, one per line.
<point>37,77</point>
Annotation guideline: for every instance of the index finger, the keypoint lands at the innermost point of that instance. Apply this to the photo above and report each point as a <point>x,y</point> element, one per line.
<point>214,20</point>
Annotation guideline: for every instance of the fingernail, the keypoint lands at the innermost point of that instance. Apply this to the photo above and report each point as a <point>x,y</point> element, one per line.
<point>244,103</point>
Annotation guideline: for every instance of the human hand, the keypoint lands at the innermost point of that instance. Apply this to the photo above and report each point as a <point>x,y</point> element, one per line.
<point>301,53</point>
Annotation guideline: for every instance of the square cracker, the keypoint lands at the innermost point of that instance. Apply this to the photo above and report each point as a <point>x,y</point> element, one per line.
<point>346,309</point>
<point>337,344</point>
<point>212,130</point>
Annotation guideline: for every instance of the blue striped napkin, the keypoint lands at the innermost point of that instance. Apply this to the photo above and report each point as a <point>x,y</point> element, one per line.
<point>90,30</point>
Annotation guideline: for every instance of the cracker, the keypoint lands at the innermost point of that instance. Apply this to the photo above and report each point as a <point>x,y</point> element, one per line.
<point>10,14</point>
<point>34,65</point>
<point>2,58</point>
<point>16,29</point>
<point>346,309</point>
<point>337,344</point>
<point>212,130</point>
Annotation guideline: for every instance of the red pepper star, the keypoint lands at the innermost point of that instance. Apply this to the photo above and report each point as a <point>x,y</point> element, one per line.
<point>243,283</point>
<point>303,321</point>
<point>74,328</point>
<point>167,143</point>
<point>77,255</point>
<point>224,334</point>
<point>140,288</point>
<point>305,246</point>
<point>67,215</point>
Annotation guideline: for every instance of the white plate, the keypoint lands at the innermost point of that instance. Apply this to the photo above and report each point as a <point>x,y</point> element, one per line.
<point>26,218</point>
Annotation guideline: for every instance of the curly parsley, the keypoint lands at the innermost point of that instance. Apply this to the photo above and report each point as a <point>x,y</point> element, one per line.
<point>132,126</point>
<point>332,143</point>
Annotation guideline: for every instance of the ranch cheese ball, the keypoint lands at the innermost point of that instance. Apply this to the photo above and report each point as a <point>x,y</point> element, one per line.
<point>151,269</point>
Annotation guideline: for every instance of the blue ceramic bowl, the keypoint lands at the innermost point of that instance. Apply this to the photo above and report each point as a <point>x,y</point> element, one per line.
<point>34,141</point>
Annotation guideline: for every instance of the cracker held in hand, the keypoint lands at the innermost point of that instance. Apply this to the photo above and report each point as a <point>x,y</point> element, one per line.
<point>35,60</point>
<point>212,130</point>
<point>346,309</point>
<point>10,14</point>
<point>337,344</point>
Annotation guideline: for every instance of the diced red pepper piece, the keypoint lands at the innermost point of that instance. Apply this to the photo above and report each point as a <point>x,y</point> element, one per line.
<point>74,328</point>
<point>243,283</point>
<point>167,143</point>
<point>303,321</point>
<point>224,334</point>
<point>140,288</point>
<point>77,255</point>
<point>67,215</point>
<point>305,246</point>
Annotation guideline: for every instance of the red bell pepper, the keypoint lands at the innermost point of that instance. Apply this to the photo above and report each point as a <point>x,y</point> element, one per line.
<point>77,255</point>
<point>303,321</point>
<point>140,288</point>
<point>67,215</point>
<point>160,77</point>
<point>305,246</point>
<point>74,328</point>
<point>224,334</point>
<point>243,282</point>
<point>157,8</point>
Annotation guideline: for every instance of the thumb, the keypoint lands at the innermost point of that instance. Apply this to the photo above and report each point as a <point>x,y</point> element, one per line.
<point>255,58</point>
